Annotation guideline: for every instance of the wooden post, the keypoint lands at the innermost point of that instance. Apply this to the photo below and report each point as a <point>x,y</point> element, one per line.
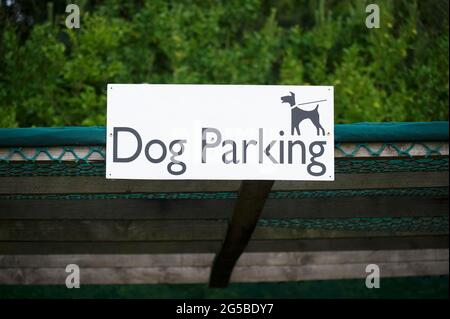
<point>249,205</point>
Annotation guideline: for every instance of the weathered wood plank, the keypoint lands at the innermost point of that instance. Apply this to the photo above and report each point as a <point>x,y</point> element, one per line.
<point>335,244</point>
<point>117,209</point>
<point>205,259</point>
<point>171,247</point>
<point>340,257</point>
<point>96,184</point>
<point>248,208</point>
<point>178,275</point>
<point>109,230</point>
<point>118,260</point>
<point>222,208</point>
<point>116,275</point>
<point>166,230</point>
<point>343,271</point>
<point>281,233</point>
<point>99,185</point>
<point>392,206</point>
<point>117,247</point>
<point>370,181</point>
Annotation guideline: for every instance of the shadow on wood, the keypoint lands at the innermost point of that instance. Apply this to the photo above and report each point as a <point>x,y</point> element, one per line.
<point>249,205</point>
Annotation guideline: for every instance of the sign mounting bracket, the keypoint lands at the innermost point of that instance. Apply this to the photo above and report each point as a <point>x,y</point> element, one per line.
<point>248,208</point>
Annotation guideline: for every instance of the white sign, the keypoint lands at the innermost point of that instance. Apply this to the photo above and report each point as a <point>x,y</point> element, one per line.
<point>233,132</point>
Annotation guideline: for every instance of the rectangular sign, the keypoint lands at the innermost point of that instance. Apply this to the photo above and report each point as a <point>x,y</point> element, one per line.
<point>223,132</point>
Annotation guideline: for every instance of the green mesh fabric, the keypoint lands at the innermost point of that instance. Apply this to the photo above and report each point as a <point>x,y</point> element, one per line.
<point>433,160</point>
<point>58,157</point>
<point>391,165</point>
<point>81,165</point>
<point>376,151</point>
<point>150,196</point>
<point>342,166</point>
<point>405,224</point>
<point>52,169</point>
<point>395,192</point>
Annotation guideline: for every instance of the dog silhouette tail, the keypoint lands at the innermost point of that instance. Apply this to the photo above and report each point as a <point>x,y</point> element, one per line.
<point>317,106</point>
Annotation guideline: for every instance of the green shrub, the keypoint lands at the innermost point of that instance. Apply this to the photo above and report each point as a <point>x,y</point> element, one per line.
<point>53,76</point>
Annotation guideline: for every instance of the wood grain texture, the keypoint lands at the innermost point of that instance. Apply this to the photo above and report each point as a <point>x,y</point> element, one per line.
<point>180,275</point>
<point>195,209</point>
<point>205,259</point>
<point>166,230</point>
<point>99,184</point>
<point>112,247</point>
<point>95,184</point>
<point>342,271</point>
<point>111,230</point>
<point>337,244</point>
<point>171,247</point>
<point>370,181</point>
<point>380,206</point>
<point>151,209</point>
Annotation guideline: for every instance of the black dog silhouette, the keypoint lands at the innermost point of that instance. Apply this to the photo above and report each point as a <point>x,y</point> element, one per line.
<point>298,115</point>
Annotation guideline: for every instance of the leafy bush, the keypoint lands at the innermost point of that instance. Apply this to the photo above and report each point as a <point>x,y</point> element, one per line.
<point>53,76</point>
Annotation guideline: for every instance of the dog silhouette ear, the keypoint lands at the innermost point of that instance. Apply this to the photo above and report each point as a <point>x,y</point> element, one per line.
<point>292,94</point>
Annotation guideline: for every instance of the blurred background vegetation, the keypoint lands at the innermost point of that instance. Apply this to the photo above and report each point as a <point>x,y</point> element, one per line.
<point>53,76</point>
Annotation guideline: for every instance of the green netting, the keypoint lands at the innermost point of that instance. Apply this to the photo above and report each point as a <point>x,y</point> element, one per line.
<point>378,150</point>
<point>26,163</point>
<point>150,196</point>
<point>64,150</point>
<point>52,169</point>
<point>391,165</point>
<point>84,168</point>
<point>437,224</point>
<point>395,192</point>
<point>374,151</point>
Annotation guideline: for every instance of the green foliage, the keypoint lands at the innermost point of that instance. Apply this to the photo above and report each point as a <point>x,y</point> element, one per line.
<point>53,76</point>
